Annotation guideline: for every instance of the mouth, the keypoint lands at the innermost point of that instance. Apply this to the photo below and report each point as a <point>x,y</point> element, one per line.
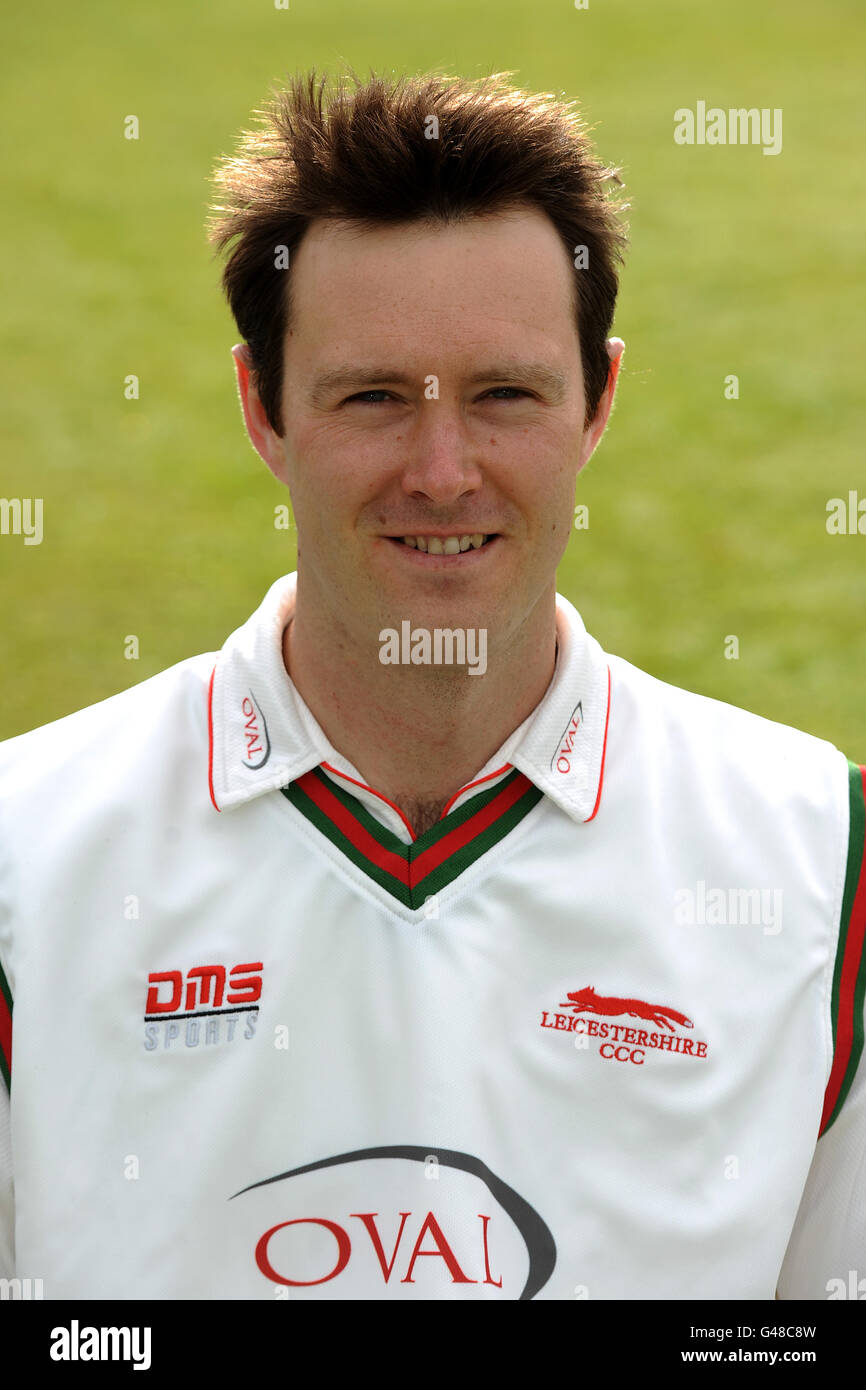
<point>445,550</point>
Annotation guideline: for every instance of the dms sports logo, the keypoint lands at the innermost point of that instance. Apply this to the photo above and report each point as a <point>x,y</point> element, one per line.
<point>371,1224</point>
<point>203,1006</point>
<point>620,1043</point>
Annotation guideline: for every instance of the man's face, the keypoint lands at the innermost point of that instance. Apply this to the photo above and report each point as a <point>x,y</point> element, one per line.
<point>432,387</point>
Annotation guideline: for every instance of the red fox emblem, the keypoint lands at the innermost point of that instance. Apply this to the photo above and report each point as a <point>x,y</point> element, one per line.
<point>587,1001</point>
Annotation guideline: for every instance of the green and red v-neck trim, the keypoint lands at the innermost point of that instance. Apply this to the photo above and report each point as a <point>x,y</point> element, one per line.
<point>411,873</point>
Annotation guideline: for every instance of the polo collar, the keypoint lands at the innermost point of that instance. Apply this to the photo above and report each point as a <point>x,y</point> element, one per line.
<point>262,736</point>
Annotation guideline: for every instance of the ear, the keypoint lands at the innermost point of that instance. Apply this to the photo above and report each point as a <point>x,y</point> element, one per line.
<point>615,349</point>
<point>593,432</point>
<point>264,440</point>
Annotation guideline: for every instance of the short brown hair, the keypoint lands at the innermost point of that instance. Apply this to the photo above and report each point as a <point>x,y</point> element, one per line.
<point>367,156</point>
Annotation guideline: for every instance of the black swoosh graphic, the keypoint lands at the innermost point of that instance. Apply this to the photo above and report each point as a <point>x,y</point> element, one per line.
<point>540,1244</point>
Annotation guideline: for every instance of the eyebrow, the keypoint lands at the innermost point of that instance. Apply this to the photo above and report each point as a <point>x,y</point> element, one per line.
<point>530,374</point>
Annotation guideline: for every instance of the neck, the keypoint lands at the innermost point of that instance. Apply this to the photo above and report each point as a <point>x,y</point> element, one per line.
<point>417,734</point>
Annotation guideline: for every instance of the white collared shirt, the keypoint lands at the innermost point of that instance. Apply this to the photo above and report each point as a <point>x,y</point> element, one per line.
<point>577,1040</point>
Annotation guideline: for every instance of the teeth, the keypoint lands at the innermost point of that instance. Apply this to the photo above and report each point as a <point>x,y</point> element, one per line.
<point>451,545</point>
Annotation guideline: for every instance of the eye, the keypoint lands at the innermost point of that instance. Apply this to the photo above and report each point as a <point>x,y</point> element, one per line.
<point>362,395</point>
<point>365,397</point>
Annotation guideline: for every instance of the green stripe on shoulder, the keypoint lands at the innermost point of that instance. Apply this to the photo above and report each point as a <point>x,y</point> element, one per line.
<point>849,974</point>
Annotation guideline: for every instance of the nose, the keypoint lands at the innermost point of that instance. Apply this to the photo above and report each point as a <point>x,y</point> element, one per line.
<point>441,462</point>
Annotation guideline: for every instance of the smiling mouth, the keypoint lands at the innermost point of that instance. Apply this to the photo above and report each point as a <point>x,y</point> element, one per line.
<point>445,545</point>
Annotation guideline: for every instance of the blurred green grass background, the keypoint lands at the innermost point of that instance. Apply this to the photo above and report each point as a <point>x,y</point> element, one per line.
<point>707,516</point>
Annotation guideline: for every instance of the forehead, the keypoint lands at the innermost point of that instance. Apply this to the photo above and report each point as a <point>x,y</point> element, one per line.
<point>496,274</point>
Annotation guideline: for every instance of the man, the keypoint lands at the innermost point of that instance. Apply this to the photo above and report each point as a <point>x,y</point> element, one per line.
<point>344,971</point>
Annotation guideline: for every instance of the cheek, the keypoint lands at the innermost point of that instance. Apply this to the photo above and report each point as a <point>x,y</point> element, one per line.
<point>328,495</point>
<point>338,456</point>
<point>559,504</point>
<point>542,483</point>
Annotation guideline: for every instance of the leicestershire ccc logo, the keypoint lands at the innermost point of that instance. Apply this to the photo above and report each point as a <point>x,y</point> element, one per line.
<point>619,1042</point>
